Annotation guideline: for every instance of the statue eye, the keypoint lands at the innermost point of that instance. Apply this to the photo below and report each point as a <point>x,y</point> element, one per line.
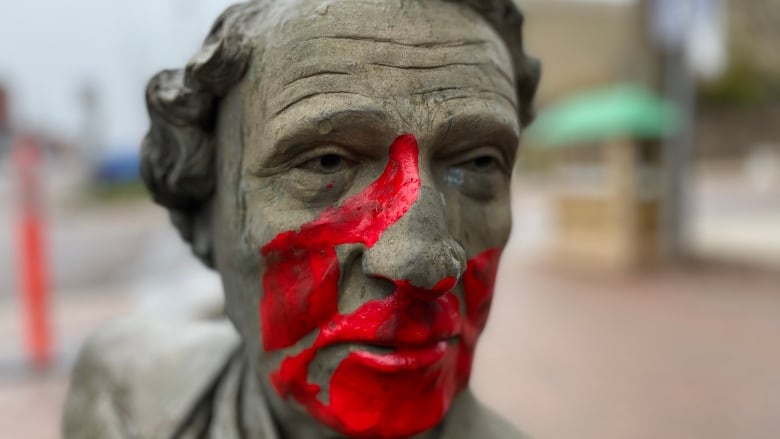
<point>327,164</point>
<point>481,164</point>
<point>484,163</point>
<point>330,162</point>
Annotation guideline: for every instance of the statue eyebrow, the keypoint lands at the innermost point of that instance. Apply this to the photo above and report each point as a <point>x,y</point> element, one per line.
<point>364,127</point>
<point>489,128</point>
<point>499,94</point>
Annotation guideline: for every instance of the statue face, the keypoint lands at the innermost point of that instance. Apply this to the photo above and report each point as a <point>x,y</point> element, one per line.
<point>362,204</point>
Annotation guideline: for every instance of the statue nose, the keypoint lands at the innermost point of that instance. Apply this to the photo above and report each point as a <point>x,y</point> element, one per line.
<point>417,253</point>
<point>406,288</point>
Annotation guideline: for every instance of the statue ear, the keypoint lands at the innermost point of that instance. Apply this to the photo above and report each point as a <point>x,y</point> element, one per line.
<point>527,84</point>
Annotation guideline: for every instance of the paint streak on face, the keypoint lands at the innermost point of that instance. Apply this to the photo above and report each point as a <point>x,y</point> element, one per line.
<point>408,389</point>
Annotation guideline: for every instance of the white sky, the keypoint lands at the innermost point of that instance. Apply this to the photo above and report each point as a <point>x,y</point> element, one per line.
<point>50,48</point>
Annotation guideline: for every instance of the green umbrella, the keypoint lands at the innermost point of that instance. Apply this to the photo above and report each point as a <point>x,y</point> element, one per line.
<point>627,111</point>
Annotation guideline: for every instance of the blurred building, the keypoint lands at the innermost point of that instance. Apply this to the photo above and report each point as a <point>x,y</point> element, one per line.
<point>585,44</point>
<point>739,111</point>
<point>755,34</point>
<point>716,179</point>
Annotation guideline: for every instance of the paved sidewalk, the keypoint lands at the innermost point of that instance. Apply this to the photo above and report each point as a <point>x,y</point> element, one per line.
<point>677,355</point>
<point>31,402</point>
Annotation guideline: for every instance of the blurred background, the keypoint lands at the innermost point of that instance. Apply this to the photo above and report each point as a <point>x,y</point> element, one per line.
<point>639,296</point>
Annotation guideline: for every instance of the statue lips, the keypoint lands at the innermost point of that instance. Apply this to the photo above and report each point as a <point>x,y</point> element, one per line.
<point>404,358</point>
<point>418,331</point>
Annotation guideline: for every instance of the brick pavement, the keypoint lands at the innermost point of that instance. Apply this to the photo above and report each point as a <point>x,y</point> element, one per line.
<point>679,355</point>
<point>30,401</point>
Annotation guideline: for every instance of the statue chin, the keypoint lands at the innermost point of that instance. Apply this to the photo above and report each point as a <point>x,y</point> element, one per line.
<point>374,395</point>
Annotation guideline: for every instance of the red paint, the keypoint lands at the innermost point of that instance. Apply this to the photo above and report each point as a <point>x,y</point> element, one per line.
<point>478,282</point>
<point>431,344</point>
<point>302,269</point>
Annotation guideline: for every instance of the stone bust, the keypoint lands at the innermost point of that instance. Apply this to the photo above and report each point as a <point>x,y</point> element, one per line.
<point>345,166</point>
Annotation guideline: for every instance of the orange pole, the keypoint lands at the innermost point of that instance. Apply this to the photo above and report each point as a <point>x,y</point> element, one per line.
<point>32,260</point>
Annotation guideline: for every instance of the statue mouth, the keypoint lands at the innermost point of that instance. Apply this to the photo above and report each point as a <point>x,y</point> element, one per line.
<point>399,344</point>
<point>396,331</point>
<point>402,358</point>
<point>389,346</point>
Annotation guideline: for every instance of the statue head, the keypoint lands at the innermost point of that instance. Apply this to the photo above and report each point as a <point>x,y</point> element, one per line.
<point>345,166</point>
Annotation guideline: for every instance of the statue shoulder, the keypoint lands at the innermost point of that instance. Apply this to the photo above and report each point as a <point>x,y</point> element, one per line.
<point>469,418</point>
<point>139,377</point>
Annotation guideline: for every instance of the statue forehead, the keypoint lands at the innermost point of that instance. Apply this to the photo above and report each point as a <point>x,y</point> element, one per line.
<point>295,27</point>
<point>360,52</point>
<point>413,21</point>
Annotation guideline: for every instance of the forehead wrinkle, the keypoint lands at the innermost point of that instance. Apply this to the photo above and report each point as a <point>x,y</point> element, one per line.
<point>305,57</point>
<point>314,75</point>
<point>368,80</point>
<point>465,42</point>
<point>290,74</point>
<point>488,65</point>
<point>307,96</point>
<point>387,64</point>
<point>378,31</point>
<point>414,23</point>
<point>454,93</point>
<point>459,80</point>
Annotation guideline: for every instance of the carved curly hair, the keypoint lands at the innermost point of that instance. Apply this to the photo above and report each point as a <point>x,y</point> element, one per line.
<point>177,153</point>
